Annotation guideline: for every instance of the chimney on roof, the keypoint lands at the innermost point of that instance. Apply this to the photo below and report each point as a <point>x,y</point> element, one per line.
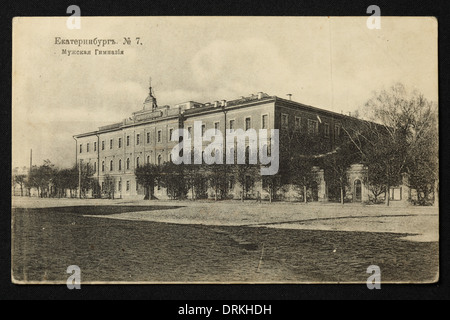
<point>290,96</point>
<point>216,104</point>
<point>349,114</point>
<point>260,95</point>
<point>223,103</point>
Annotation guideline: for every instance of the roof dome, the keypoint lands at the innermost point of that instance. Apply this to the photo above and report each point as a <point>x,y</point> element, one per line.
<point>150,101</point>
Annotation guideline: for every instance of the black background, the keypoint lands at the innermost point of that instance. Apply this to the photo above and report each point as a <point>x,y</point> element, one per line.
<point>259,294</point>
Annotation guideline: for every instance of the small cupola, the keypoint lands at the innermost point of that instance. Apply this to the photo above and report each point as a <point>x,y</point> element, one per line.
<point>150,101</point>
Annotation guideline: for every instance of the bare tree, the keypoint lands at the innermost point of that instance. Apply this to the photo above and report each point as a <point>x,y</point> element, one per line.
<point>336,167</point>
<point>41,177</point>
<point>109,186</point>
<point>20,179</point>
<point>299,154</point>
<point>196,181</point>
<point>401,137</point>
<point>148,176</point>
<point>246,175</point>
<point>271,184</point>
<point>217,177</point>
<point>172,178</point>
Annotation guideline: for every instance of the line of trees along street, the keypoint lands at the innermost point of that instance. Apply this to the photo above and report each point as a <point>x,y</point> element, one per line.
<point>50,181</point>
<point>195,180</point>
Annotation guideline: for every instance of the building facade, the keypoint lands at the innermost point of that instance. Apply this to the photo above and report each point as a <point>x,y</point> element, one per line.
<point>117,149</point>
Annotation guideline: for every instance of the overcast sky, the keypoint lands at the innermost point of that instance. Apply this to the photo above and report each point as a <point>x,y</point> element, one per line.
<point>331,63</point>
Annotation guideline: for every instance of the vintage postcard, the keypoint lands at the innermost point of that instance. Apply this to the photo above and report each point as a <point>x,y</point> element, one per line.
<point>225,150</point>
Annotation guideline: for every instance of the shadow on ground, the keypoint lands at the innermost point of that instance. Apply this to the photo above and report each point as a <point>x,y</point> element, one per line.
<point>94,210</point>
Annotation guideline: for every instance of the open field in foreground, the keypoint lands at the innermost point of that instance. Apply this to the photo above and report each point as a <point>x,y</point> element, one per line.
<point>228,242</point>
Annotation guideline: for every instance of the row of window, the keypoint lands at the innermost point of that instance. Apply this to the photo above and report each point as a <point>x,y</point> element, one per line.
<point>313,126</point>
<point>128,185</point>
<point>248,125</point>
<point>119,186</point>
<point>127,164</point>
<point>159,160</point>
<point>119,141</point>
<point>313,129</point>
<point>231,185</point>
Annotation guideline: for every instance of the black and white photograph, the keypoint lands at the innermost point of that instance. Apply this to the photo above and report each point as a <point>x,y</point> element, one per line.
<point>225,150</point>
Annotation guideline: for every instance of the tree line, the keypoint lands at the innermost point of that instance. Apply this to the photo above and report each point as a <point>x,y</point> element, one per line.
<point>195,181</point>
<point>400,143</point>
<point>50,181</point>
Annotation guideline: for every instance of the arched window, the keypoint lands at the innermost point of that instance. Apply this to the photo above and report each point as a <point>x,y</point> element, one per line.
<point>103,166</point>
<point>137,162</point>
<point>265,149</point>
<point>233,154</point>
<point>95,167</point>
<point>159,160</point>
<point>111,165</point>
<point>148,159</point>
<point>247,155</point>
<point>120,164</point>
<point>128,163</point>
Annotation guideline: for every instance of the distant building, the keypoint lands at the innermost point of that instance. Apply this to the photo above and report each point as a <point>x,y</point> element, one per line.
<point>117,149</point>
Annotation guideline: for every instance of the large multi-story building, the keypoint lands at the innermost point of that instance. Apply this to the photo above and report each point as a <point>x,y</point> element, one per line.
<point>117,149</point>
